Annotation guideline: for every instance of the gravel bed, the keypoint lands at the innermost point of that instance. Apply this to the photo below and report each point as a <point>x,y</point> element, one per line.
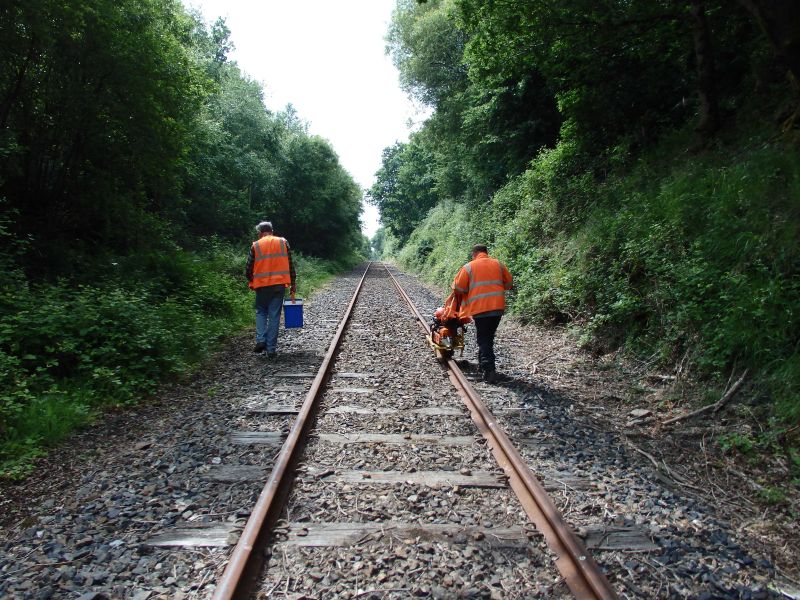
<point>432,424</point>
<point>424,569</point>
<point>419,457</point>
<point>460,564</point>
<point>406,503</point>
<point>700,555</point>
<point>79,527</point>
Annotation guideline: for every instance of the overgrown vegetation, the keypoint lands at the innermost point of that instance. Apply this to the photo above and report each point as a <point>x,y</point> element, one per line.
<point>66,353</point>
<point>651,196</point>
<point>670,259</point>
<point>135,159</point>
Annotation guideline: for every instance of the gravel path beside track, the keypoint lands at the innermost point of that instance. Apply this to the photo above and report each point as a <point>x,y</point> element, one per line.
<point>699,555</point>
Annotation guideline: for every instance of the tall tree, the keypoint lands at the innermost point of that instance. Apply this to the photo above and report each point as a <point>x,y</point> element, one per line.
<point>97,98</point>
<point>481,132</point>
<point>780,22</point>
<point>404,188</point>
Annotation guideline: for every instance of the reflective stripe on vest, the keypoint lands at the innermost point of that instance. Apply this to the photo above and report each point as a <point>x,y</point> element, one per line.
<point>477,297</point>
<point>271,266</point>
<point>486,288</point>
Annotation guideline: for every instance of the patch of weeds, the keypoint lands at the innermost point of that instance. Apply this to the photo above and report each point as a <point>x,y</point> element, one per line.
<point>639,389</point>
<point>794,463</point>
<point>772,495</point>
<point>710,396</point>
<point>736,442</point>
<point>18,458</point>
<point>50,418</point>
<point>769,439</point>
<point>43,422</point>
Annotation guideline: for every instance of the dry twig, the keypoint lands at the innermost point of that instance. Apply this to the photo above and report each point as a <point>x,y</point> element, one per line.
<point>712,407</point>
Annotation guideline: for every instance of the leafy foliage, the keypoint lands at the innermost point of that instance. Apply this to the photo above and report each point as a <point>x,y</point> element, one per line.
<point>65,352</point>
<point>577,140</point>
<point>122,120</point>
<point>403,188</point>
<point>672,257</point>
<point>134,158</point>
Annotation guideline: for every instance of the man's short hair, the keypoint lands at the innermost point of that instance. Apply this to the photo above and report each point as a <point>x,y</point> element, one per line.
<point>480,248</point>
<point>264,227</point>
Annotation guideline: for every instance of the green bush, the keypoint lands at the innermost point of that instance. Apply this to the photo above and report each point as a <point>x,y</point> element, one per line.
<point>66,352</point>
<point>697,253</point>
<point>441,244</point>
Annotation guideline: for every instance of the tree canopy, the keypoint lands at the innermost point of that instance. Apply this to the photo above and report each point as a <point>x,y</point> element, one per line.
<point>509,78</point>
<point>124,125</point>
<point>635,162</point>
<point>135,159</point>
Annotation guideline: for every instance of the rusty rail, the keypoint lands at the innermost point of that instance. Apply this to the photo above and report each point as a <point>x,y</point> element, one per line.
<point>580,571</point>
<point>247,558</point>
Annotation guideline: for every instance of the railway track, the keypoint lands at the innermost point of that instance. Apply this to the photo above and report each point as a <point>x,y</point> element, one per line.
<point>395,491</point>
<point>392,479</point>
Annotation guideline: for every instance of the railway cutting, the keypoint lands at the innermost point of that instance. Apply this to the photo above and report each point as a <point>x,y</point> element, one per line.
<point>361,464</point>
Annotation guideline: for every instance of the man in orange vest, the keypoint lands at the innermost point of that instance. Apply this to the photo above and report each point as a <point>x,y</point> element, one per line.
<point>480,292</point>
<point>269,272</point>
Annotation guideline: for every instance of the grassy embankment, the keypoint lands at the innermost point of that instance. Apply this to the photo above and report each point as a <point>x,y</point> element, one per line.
<point>679,255</point>
<point>68,351</point>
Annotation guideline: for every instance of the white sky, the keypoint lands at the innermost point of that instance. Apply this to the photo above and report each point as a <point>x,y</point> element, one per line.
<point>327,59</point>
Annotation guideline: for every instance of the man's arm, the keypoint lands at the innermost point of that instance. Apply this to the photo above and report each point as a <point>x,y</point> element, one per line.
<point>460,288</point>
<point>251,261</point>
<point>508,281</point>
<point>461,282</point>
<point>292,273</point>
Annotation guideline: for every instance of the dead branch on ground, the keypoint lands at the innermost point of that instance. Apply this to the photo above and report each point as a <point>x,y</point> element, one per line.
<point>712,407</point>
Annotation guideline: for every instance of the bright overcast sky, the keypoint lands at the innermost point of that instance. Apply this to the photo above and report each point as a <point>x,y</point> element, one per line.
<point>327,59</point>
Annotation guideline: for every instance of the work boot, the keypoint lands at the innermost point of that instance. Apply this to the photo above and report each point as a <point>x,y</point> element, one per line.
<point>465,365</point>
<point>260,347</point>
<point>490,376</point>
<point>272,355</point>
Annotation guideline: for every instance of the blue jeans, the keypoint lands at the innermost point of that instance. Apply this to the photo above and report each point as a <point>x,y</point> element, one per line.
<point>269,301</point>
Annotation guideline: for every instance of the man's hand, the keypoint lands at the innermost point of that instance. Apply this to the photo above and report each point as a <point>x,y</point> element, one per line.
<point>293,289</point>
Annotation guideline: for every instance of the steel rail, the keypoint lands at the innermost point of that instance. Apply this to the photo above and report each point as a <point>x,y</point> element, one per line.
<point>581,573</point>
<point>247,558</point>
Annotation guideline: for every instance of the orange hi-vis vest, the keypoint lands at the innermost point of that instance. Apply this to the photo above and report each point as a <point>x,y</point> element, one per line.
<point>271,266</point>
<point>482,284</point>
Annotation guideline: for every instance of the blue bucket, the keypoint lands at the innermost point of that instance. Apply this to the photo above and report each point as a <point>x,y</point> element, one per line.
<point>293,313</point>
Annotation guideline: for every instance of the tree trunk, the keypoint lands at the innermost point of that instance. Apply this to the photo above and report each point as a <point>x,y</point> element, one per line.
<point>780,22</point>
<point>11,97</point>
<point>706,80</point>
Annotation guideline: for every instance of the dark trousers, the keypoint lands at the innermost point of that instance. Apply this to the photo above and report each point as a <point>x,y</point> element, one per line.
<point>485,328</point>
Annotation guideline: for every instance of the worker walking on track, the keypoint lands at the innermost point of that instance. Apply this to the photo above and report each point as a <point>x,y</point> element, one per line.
<point>480,292</point>
<point>269,272</point>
